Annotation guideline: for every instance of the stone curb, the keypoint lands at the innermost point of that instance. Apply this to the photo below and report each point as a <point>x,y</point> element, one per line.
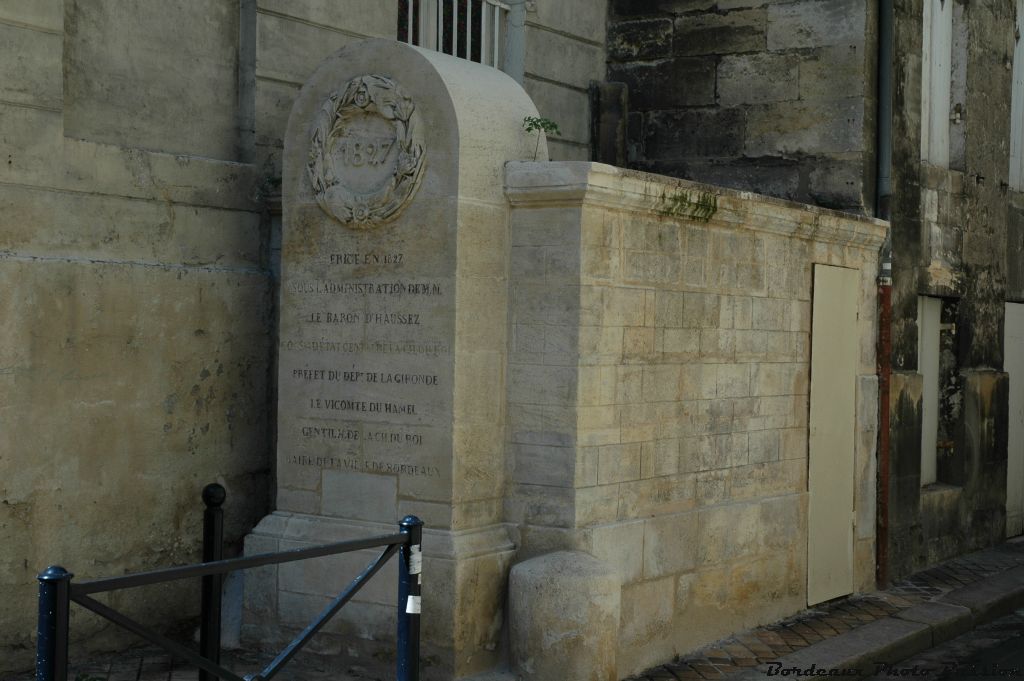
<point>907,633</point>
<point>991,598</point>
<point>946,621</point>
<point>885,640</point>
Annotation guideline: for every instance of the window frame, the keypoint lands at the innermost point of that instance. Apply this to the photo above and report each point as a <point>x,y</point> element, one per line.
<point>1016,175</point>
<point>497,25</point>
<point>936,80</point>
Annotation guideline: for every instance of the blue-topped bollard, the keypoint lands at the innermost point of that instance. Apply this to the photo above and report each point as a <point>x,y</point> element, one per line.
<point>211,595</point>
<point>52,643</point>
<point>410,572</point>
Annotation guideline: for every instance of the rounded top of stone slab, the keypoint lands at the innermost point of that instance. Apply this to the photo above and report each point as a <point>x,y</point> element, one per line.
<point>381,123</point>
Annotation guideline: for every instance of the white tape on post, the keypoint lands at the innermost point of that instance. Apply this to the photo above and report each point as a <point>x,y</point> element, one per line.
<point>412,606</point>
<point>415,560</point>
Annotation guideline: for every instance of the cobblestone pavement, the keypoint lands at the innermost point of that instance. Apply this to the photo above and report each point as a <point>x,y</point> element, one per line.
<point>762,645</point>
<point>152,664</point>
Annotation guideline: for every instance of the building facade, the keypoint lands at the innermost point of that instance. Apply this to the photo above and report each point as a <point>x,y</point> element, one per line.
<point>143,144</point>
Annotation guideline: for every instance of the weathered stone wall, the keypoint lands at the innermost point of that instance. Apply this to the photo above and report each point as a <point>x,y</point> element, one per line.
<point>1015,248</point>
<point>774,96</point>
<point>290,39</point>
<point>658,393</point>
<point>565,51</point>
<point>953,237</point>
<point>125,78</point>
<point>133,355</point>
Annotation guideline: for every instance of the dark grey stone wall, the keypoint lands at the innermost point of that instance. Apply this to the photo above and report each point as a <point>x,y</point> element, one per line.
<point>1015,249</point>
<point>765,95</point>
<point>953,236</point>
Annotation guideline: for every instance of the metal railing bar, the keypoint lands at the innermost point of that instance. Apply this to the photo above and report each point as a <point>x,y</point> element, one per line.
<point>432,28</point>
<point>421,28</point>
<point>483,33</point>
<point>154,638</point>
<point>330,611</point>
<point>455,28</point>
<point>440,25</point>
<point>497,34</point>
<point>408,33</point>
<point>57,591</point>
<point>231,564</point>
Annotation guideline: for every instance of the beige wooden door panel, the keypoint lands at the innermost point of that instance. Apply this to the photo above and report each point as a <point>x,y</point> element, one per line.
<point>834,352</point>
<point>1013,363</point>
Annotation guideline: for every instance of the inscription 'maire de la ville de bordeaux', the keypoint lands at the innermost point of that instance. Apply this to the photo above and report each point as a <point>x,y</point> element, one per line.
<point>365,163</point>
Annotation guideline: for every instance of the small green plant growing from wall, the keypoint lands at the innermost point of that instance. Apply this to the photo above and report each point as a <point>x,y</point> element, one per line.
<point>700,206</point>
<point>539,124</point>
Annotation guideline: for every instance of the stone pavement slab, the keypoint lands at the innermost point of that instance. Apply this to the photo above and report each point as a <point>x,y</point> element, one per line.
<point>859,649</point>
<point>927,608</point>
<point>153,664</point>
<point>991,598</point>
<point>959,658</point>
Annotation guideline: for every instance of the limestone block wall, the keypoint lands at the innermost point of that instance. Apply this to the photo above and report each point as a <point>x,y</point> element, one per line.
<point>775,97</point>
<point>658,392</point>
<point>133,353</point>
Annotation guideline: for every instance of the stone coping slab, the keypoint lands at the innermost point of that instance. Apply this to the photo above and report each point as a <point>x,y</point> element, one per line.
<point>567,182</point>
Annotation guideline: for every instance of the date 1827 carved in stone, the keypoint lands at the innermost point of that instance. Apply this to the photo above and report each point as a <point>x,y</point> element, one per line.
<point>365,157</point>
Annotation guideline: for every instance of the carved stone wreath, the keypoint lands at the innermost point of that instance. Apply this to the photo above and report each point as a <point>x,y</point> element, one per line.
<point>365,158</point>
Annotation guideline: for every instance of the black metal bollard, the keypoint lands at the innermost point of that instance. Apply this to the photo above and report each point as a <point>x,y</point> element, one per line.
<point>213,549</point>
<point>52,644</point>
<point>410,577</point>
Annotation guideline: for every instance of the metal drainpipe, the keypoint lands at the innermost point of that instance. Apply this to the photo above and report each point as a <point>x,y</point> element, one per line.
<point>884,354</point>
<point>883,150</point>
<point>883,193</point>
<point>515,40</point>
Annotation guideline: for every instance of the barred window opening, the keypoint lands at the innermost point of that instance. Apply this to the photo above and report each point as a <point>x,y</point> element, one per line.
<point>469,29</point>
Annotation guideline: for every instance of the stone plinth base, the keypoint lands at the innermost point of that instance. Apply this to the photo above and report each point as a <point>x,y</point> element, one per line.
<point>463,592</point>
